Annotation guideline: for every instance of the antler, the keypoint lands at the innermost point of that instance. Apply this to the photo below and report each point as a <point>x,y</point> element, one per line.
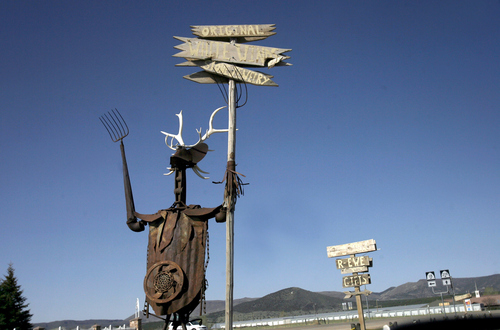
<point>178,136</point>
<point>211,128</point>
<point>180,142</point>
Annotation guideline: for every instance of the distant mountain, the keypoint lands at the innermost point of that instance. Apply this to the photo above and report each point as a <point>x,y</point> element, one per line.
<point>72,324</point>
<point>220,305</point>
<point>290,301</point>
<point>296,301</point>
<point>420,289</point>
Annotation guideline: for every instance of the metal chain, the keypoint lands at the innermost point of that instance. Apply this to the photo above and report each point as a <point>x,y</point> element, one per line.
<point>203,307</point>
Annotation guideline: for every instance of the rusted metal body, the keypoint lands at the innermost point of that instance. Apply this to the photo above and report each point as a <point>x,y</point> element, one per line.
<point>179,236</point>
<point>175,278</point>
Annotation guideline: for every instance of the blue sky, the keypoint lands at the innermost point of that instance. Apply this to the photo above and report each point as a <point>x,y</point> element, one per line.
<point>386,127</point>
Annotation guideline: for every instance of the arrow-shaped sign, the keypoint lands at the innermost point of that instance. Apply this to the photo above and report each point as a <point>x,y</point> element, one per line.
<point>349,294</point>
<point>192,63</point>
<point>233,72</point>
<point>204,77</point>
<point>194,48</point>
<point>362,269</point>
<point>242,33</point>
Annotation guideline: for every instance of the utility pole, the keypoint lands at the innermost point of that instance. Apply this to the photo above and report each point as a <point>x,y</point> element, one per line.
<point>229,200</point>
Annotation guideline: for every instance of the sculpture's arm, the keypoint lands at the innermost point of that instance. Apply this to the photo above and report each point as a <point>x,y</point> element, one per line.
<point>132,222</point>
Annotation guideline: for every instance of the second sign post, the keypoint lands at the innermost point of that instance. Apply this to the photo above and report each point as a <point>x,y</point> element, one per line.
<point>355,265</point>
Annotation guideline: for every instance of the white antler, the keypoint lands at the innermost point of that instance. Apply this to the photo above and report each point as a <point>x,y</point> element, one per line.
<point>197,170</point>
<point>178,136</point>
<point>211,128</point>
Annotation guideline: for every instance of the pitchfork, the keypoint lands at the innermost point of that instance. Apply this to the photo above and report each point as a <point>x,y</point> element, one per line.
<point>118,130</point>
<point>115,125</point>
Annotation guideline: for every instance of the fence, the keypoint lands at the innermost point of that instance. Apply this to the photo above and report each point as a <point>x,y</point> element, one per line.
<point>123,327</point>
<point>400,311</point>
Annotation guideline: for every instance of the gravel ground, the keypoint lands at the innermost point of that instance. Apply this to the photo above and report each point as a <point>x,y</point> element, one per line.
<point>373,324</point>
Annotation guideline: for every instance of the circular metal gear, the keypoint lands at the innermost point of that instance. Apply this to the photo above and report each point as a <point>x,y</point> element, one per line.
<point>163,282</point>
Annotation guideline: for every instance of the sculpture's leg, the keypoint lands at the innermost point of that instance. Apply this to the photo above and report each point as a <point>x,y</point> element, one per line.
<point>184,318</point>
<point>167,319</point>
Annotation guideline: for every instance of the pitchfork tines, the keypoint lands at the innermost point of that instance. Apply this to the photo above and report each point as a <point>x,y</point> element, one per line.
<point>115,125</point>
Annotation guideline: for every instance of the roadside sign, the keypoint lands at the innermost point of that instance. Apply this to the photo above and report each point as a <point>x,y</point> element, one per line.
<point>203,77</point>
<point>356,280</point>
<point>352,262</point>
<point>351,248</point>
<point>234,72</point>
<point>430,276</point>
<point>463,296</point>
<point>221,52</point>
<point>445,274</point>
<point>447,281</point>
<point>468,305</point>
<point>244,33</point>
<point>191,63</point>
<point>349,294</point>
<point>201,49</point>
<point>356,265</point>
<point>354,270</point>
<point>431,283</point>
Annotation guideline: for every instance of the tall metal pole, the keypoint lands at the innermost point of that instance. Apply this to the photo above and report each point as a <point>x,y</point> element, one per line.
<point>229,200</point>
<point>453,295</point>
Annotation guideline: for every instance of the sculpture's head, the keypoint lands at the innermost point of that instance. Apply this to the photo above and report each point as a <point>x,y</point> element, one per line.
<point>188,156</point>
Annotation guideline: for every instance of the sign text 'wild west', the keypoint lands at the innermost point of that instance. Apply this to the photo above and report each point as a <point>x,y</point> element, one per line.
<point>194,48</point>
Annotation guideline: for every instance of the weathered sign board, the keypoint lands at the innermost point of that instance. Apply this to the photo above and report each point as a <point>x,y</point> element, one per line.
<point>354,270</point>
<point>219,51</point>
<point>234,72</point>
<point>349,294</point>
<point>201,49</point>
<point>352,262</point>
<point>351,248</point>
<point>243,33</point>
<point>203,77</point>
<point>463,296</point>
<point>356,280</point>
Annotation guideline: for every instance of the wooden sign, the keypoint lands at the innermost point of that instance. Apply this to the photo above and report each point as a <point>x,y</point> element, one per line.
<point>201,49</point>
<point>352,262</point>
<point>463,296</point>
<point>233,72</point>
<point>218,49</point>
<point>356,280</point>
<point>351,248</point>
<point>243,33</point>
<point>349,294</point>
<point>354,270</point>
<point>192,63</point>
<point>204,77</point>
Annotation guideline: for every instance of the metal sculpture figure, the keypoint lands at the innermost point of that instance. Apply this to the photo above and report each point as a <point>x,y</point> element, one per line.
<point>175,278</point>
